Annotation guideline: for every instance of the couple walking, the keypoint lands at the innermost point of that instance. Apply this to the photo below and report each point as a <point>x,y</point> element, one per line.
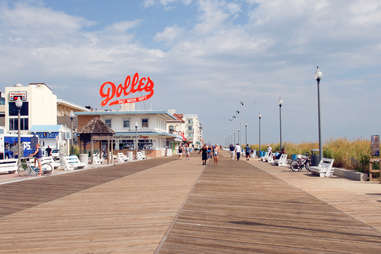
<point>235,151</point>
<point>207,152</point>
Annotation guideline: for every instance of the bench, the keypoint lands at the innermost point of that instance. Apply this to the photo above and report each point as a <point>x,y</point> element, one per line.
<point>141,156</point>
<point>282,161</point>
<point>324,169</point>
<point>121,157</point>
<point>8,166</point>
<point>50,160</point>
<point>264,158</point>
<point>97,160</point>
<point>72,162</point>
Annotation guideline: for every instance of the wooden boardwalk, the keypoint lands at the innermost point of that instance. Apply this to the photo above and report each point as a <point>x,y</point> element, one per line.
<point>122,209</point>
<point>237,208</point>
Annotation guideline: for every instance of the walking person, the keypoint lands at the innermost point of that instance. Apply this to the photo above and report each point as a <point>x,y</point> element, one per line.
<point>204,154</point>
<point>187,151</point>
<point>216,152</point>
<point>238,151</point>
<point>37,157</point>
<point>48,151</point>
<point>180,152</point>
<point>247,150</point>
<point>231,148</point>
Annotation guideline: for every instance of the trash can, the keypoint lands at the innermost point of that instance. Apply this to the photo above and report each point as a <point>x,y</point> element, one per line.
<point>315,157</point>
<point>84,157</point>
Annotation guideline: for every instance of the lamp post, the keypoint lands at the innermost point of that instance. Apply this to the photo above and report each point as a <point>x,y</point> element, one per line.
<point>239,136</point>
<point>136,137</point>
<point>71,132</point>
<point>280,123</point>
<point>318,76</point>
<point>19,106</point>
<point>233,137</point>
<point>260,117</point>
<point>246,133</point>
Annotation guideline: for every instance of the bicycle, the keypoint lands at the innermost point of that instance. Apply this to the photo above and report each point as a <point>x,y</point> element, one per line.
<point>302,162</point>
<point>33,170</point>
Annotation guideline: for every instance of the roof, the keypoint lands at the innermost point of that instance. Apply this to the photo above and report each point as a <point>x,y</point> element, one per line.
<point>144,133</point>
<point>72,105</point>
<point>136,112</point>
<point>45,128</point>
<point>96,126</point>
<point>179,118</point>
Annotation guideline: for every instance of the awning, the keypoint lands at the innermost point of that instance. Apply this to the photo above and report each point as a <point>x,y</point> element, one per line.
<point>45,128</point>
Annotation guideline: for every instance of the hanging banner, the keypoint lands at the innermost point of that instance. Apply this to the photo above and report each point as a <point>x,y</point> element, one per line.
<point>111,93</point>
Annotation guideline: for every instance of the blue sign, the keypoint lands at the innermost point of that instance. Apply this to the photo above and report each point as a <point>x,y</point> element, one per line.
<point>51,135</point>
<point>25,144</point>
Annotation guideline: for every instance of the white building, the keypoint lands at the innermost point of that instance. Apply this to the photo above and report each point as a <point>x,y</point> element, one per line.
<point>193,130</point>
<point>148,128</point>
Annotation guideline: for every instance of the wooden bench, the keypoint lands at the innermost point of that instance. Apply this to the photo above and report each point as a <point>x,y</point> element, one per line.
<point>72,162</point>
<point>282,161</point>
<point>8,166</point>
<point>121,158</point>
<point>324,169</point>
<point>141,155</point>
<point>50,160</point>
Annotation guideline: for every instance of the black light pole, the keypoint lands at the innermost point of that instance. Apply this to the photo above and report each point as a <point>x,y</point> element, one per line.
<point>246,133</point>
<point>239,136</point>
<point>136,138</point>
<point>19,106</point>
<point>260,117</point>
<point>318,76</point>
<point>71,132</point>
<point>233,137</point>
<point>280,123</point>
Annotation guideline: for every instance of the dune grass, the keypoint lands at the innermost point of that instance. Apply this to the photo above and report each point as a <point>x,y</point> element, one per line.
<point>350,154</point>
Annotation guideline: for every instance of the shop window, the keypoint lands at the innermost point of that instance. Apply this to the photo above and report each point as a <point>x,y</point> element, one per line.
<point>145,123</point>
<point>126,123</point>
<point>108,122</point>
<point>13,124</point>
<point>145,144</point>
<point>13,110</point>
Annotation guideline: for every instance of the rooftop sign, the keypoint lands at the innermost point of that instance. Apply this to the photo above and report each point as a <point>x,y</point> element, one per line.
<point>111,93</point>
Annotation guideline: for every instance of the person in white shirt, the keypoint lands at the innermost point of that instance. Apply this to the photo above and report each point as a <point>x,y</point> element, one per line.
<point>238,151</point>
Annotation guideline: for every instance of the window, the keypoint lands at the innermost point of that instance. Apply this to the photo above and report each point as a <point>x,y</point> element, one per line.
<point>13,124</point>
<point>126,123</point>
<point>171,129</point>
<point>190,121</point>
<point>190,128</point>
<point>13,110</point>
<point>145,123</point>
<point>108,122</point>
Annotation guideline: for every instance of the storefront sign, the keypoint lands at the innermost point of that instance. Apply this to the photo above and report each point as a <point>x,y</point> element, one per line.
<point>13,96</point>
<point>46,134</point>
<point>375,146</point>
<point>111,93</point>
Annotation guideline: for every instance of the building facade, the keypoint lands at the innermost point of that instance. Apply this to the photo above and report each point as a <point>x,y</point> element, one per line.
<point>142,130</point>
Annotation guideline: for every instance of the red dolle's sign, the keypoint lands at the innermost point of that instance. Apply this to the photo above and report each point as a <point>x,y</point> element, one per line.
<point>112,93</point>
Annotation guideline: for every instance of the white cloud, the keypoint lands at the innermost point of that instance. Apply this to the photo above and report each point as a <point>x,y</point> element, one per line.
<point>169,34</point>
<point>165,3</point>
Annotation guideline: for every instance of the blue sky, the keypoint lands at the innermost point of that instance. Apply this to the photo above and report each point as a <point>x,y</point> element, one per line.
<point>205,56</point>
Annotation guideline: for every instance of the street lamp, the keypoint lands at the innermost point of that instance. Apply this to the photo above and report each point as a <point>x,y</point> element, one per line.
<point>318,76</point>
<point>239,136</point>
<point>260,117</point>
<point>71,132</point>
<point>280,123</point>
<point>19,106</point>
<point>246,133</point>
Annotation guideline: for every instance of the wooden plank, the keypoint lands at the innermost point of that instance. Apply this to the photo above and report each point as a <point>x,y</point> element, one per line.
<point>237,208</point>
<point>129,214</point>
